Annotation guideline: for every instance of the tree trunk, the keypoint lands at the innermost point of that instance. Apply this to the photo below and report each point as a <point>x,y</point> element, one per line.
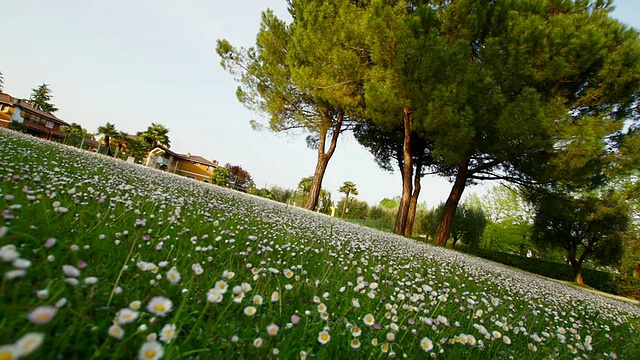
<point>450,207</point>
<point>636,272</point>
<point>323,159</point>
<point>344,206</point>
<point>576,264</point>
<point>406,172</point>
<point>577,271</point>
<point>107,143</point>
<point>413,204</point>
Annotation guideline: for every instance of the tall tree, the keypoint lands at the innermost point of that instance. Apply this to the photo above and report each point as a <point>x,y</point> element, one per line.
<point>41,99</point>
<point>585,225</point>
<point>75,134</point>
<point>107,131</point>
<point>529,95</point>
<point>121,139</point>
<point>156,134</point>
<point>348,188</point>
<point>292,78</point>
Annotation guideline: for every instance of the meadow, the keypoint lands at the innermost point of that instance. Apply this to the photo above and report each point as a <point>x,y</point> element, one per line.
<point>105,259</point>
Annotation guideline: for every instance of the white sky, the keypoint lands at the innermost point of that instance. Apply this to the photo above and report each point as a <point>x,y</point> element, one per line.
<point>132,63</point>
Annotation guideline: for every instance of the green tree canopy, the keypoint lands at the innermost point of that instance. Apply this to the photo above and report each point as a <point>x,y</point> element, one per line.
<point>107,131</point>
<point>293,78</point>
<point>348,188</point>
<point>583,224</point>
<point>41,99</point>
<point>156,134</point>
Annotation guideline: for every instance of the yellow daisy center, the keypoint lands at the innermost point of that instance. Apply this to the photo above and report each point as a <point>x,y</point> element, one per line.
<point>150,353</point>
<point>159,307</point>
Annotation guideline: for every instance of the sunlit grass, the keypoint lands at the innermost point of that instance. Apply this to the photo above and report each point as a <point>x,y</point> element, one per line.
<point>106,259</point>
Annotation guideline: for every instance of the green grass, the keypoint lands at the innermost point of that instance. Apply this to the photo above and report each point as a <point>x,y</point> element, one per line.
<point>126,227</point>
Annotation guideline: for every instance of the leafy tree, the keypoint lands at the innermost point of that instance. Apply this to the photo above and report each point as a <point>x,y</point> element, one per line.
<point>287,76</point>
<point>41,99</point>
<point>584,225</point>
<point>355,209</point>
<point>232,176</point>
<point>387,147</point>
<point>121,139</point>
<point>528,102</point>
<point>468,225</point>
<point>76,134</point>
<point>390,204</point>
<point>221,176</point>
<point>348,188</point>
<point>136,148</point>
<point>108,131</point>
<point>156,134</point>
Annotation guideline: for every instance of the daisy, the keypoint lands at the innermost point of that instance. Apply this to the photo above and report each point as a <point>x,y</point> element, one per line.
<point>214,296</point>
<point>168,333</point>
<point>288,273</point>
<point>173,275</point>
<point>506,340</point>
<point>29,343</point>
<point>250,311</point>
<point>257,342</point>
<point>228,274</point>
<point>275,296</point>
<point>9,352</point>
<point>356,331</point>
<point>322,308</point>
<point>324,337</point>
<point>355,343</point>
<point>221,286</point>
<point>135,305</point>
<point>426,344</point>
<point>257,300</point>
<point>384,348</point>
<point>374,342</point>
<point>116,331</point>
<point>369,319</point>
<point>151,350</point>
<point>70,271</point>
<point>42,314</point>
<point>273,329</point>
<point>126,316</point>
<point>160,305</point>
<point>496,334</point>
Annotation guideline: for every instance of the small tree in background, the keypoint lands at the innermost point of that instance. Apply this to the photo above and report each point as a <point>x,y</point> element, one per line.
<point>108,131</point>
<point>347,188</point>
<point>587,225</point>
<point>41,99</point>
<point>469,223</point>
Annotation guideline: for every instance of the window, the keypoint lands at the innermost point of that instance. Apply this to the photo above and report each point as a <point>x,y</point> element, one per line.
<point>49,124</point>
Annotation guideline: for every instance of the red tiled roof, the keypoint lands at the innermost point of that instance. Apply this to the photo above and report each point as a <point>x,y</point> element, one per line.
<point>24,105</point>
<point>193,158</point>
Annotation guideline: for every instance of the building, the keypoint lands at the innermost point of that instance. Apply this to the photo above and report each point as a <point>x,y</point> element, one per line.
<point>191,166</point>
<point>36,122</point>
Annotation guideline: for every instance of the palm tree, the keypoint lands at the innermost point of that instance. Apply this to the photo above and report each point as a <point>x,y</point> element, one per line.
<point>121,139</point>
<point>108,131</point>
<point>156,134</point>
<point>74,132</point>
<point>1,81</point>
<point>347,188</point>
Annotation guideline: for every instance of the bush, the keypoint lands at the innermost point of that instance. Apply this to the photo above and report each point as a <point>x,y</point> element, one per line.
<point>600,280</point>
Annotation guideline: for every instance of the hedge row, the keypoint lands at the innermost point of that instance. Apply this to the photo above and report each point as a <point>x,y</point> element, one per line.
<point>608,282</point>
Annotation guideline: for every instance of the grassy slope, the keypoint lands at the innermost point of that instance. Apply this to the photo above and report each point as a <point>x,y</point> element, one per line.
<point>123,218</point>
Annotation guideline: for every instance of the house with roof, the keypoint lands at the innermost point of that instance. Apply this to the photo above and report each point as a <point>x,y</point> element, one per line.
<point>35,121</point>
<point>191,166</point>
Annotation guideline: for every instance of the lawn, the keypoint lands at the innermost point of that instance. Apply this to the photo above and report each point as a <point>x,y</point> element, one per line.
<point>105,259</point>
